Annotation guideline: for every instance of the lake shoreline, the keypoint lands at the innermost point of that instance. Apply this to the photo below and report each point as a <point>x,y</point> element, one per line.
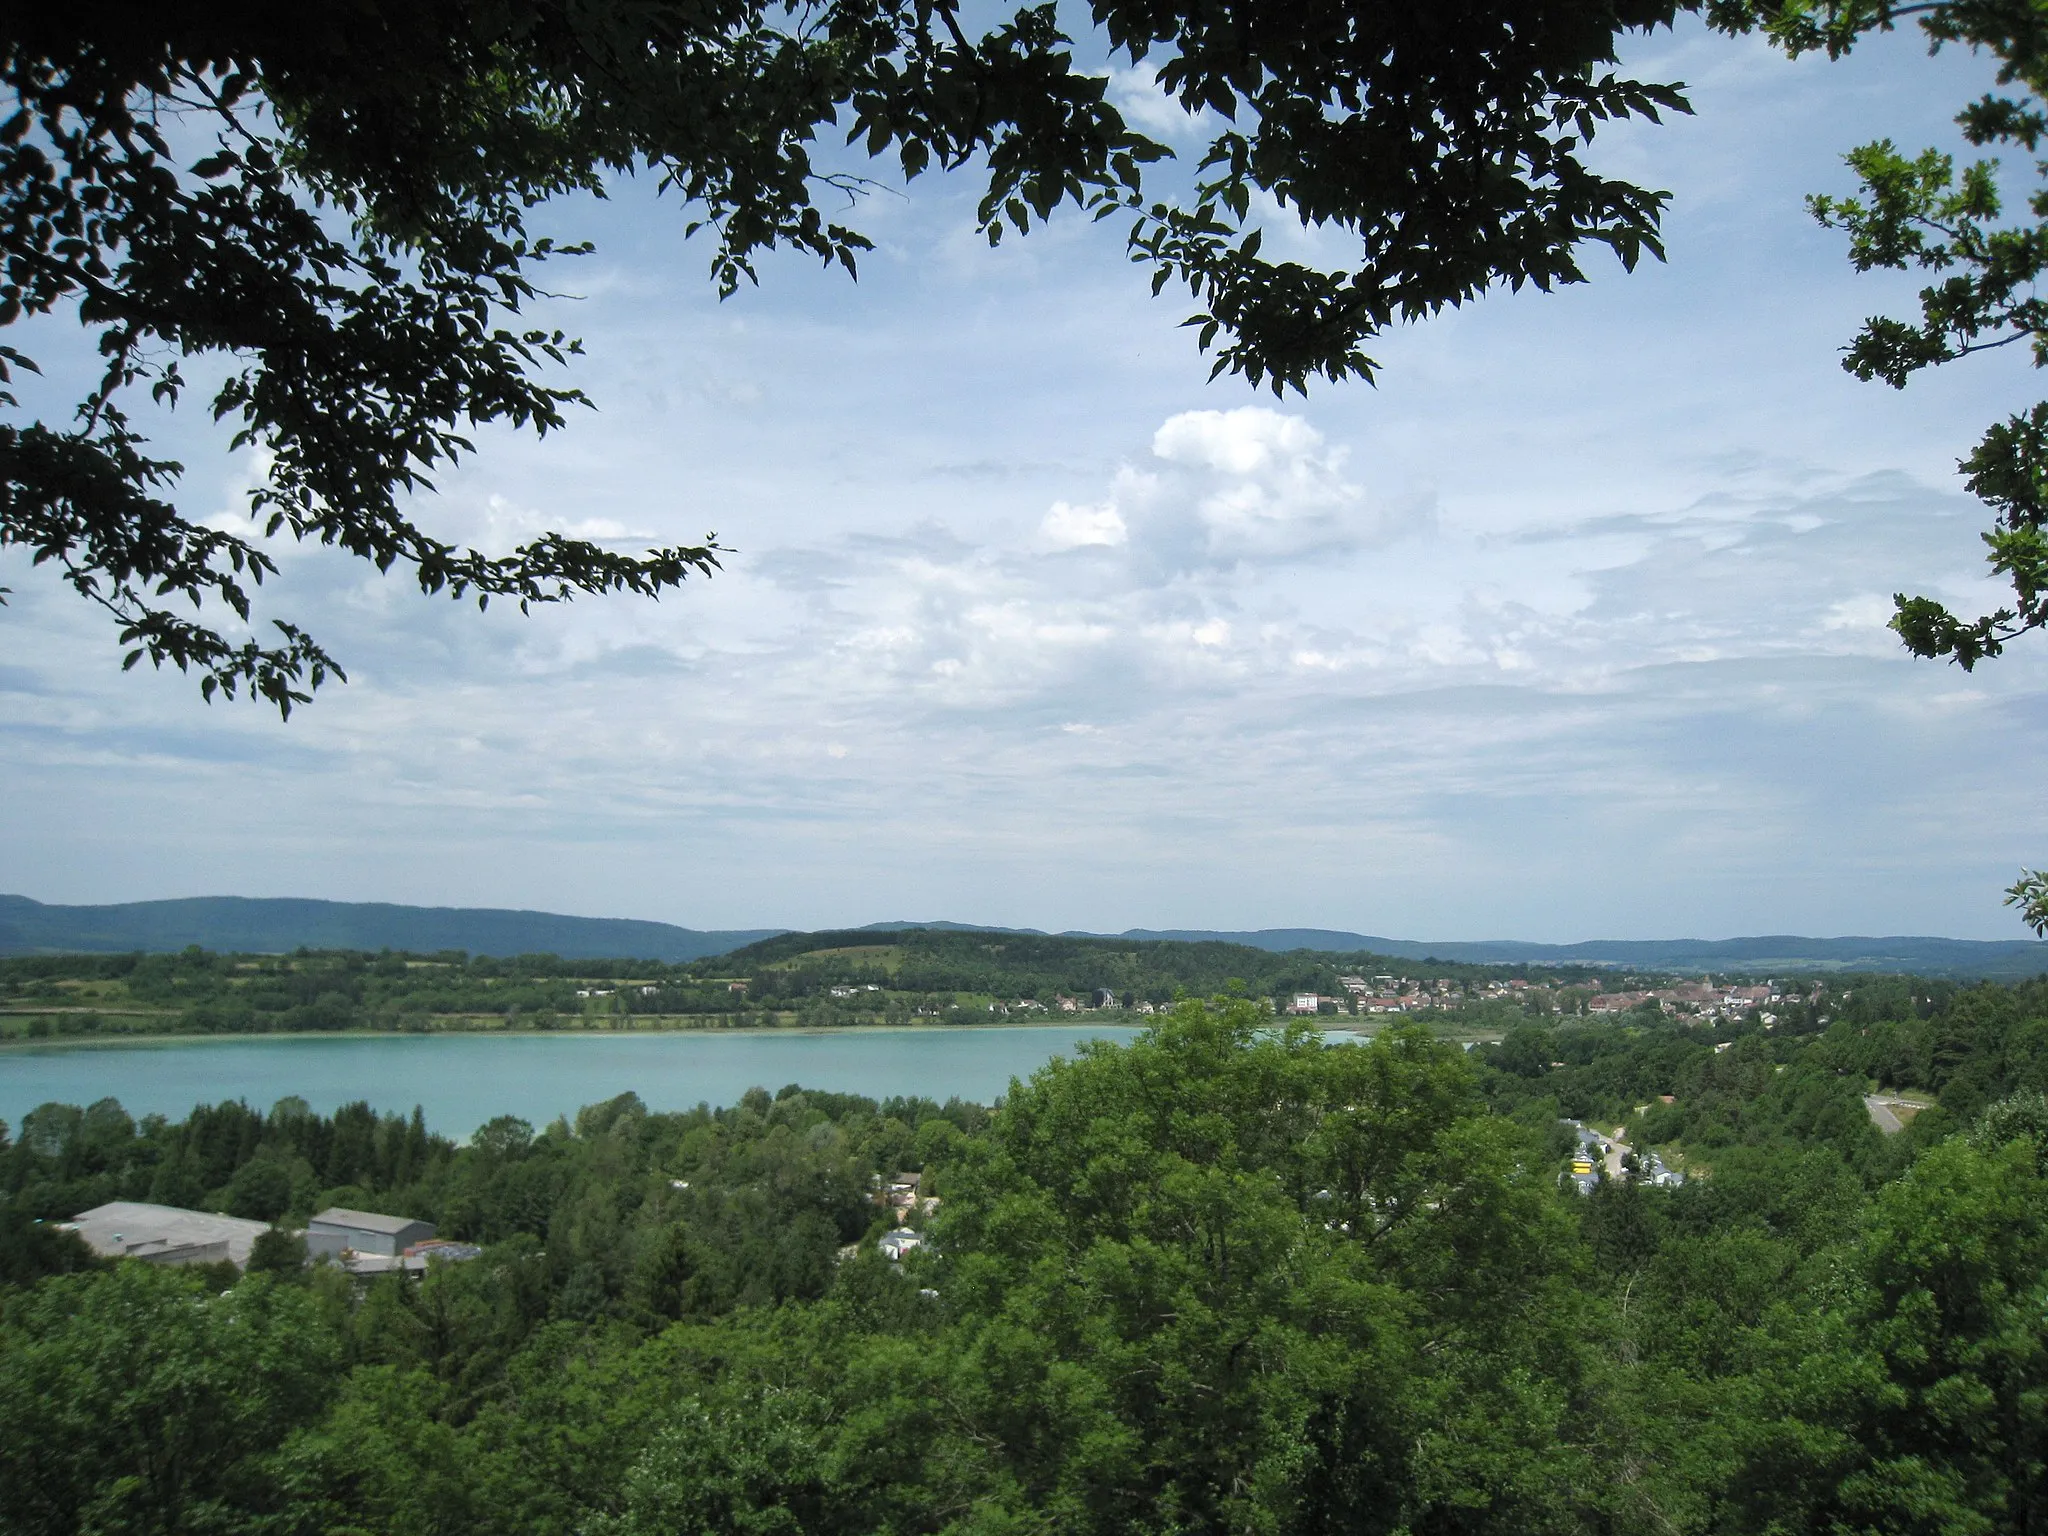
<point>114,1040</point>
<point>463,1079</point>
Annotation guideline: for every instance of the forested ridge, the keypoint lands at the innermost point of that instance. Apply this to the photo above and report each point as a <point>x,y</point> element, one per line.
<point>1228,1277</point>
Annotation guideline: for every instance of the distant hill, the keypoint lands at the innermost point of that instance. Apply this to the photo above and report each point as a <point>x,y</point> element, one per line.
<point>279,925</point>
<point>1924,956</point>
<point>1327,940</point>
<point>1008,963</point>
<point>1332,940</point>
<point>2006,959</point>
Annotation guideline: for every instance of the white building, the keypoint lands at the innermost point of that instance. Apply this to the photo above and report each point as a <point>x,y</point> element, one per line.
<point>895,1245</point>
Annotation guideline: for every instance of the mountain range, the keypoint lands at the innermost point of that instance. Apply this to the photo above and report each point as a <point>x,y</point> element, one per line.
<point>276,925</point>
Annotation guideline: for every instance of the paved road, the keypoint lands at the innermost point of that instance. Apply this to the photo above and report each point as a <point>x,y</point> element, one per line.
<point>1881,1114</point>
<point>1618,1149</point>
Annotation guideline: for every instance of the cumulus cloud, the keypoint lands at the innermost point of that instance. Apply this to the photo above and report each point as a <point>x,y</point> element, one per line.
<point>1248,485</point>
<point>1234,551</point>
<point>1070,527</point>
<point>1239,442</point>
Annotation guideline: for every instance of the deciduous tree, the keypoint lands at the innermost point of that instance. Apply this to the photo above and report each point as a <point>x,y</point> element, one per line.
<point>133,1401</point>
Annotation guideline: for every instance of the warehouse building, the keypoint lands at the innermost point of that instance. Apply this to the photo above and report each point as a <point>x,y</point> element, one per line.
<point>165,1234</point>
<point>336,1230</point>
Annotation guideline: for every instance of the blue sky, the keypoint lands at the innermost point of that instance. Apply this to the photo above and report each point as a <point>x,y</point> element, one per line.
<point>1573,627</point>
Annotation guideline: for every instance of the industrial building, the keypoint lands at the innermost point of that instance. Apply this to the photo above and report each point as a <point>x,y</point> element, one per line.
<point>165,1234</point>
<point>336,1230</point>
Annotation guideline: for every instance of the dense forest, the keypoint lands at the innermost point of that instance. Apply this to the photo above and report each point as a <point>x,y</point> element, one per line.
<point>922,975</point>
<point>1226,1278</point>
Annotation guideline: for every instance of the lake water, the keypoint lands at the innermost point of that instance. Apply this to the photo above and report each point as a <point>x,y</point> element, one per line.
<point>463,1080</point>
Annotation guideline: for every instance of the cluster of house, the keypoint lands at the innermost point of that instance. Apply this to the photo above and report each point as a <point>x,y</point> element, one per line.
<point>361,1242</point>
<point>1379,994</point>
<point>903,1194</point>
<point>1101,997</point>
<point>1595,1149</point>
<point>1386,994</point>
<point>1703,998</point>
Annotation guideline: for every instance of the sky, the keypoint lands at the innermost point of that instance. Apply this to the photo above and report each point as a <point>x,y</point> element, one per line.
<point>1571,628</point>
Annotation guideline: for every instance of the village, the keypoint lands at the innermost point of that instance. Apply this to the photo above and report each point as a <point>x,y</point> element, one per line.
<point>1389,994</point>
<point>1361,996</point>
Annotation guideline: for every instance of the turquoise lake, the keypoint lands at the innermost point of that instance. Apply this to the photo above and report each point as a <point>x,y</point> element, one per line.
<point>463,1080</point>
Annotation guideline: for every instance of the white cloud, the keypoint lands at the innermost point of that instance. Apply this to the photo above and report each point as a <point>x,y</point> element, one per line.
<point>1239,442</point>
<point>1250,485</point>
<point>1867,611</point>
<point>1067,526</point>
<point>1137,94</point>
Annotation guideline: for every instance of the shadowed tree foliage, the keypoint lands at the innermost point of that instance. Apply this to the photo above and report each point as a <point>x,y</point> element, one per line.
<point>326,206</point>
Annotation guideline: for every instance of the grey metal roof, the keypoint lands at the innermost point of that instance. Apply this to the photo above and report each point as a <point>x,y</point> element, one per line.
<point>365,1221</point>
<point>135,1229</point>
